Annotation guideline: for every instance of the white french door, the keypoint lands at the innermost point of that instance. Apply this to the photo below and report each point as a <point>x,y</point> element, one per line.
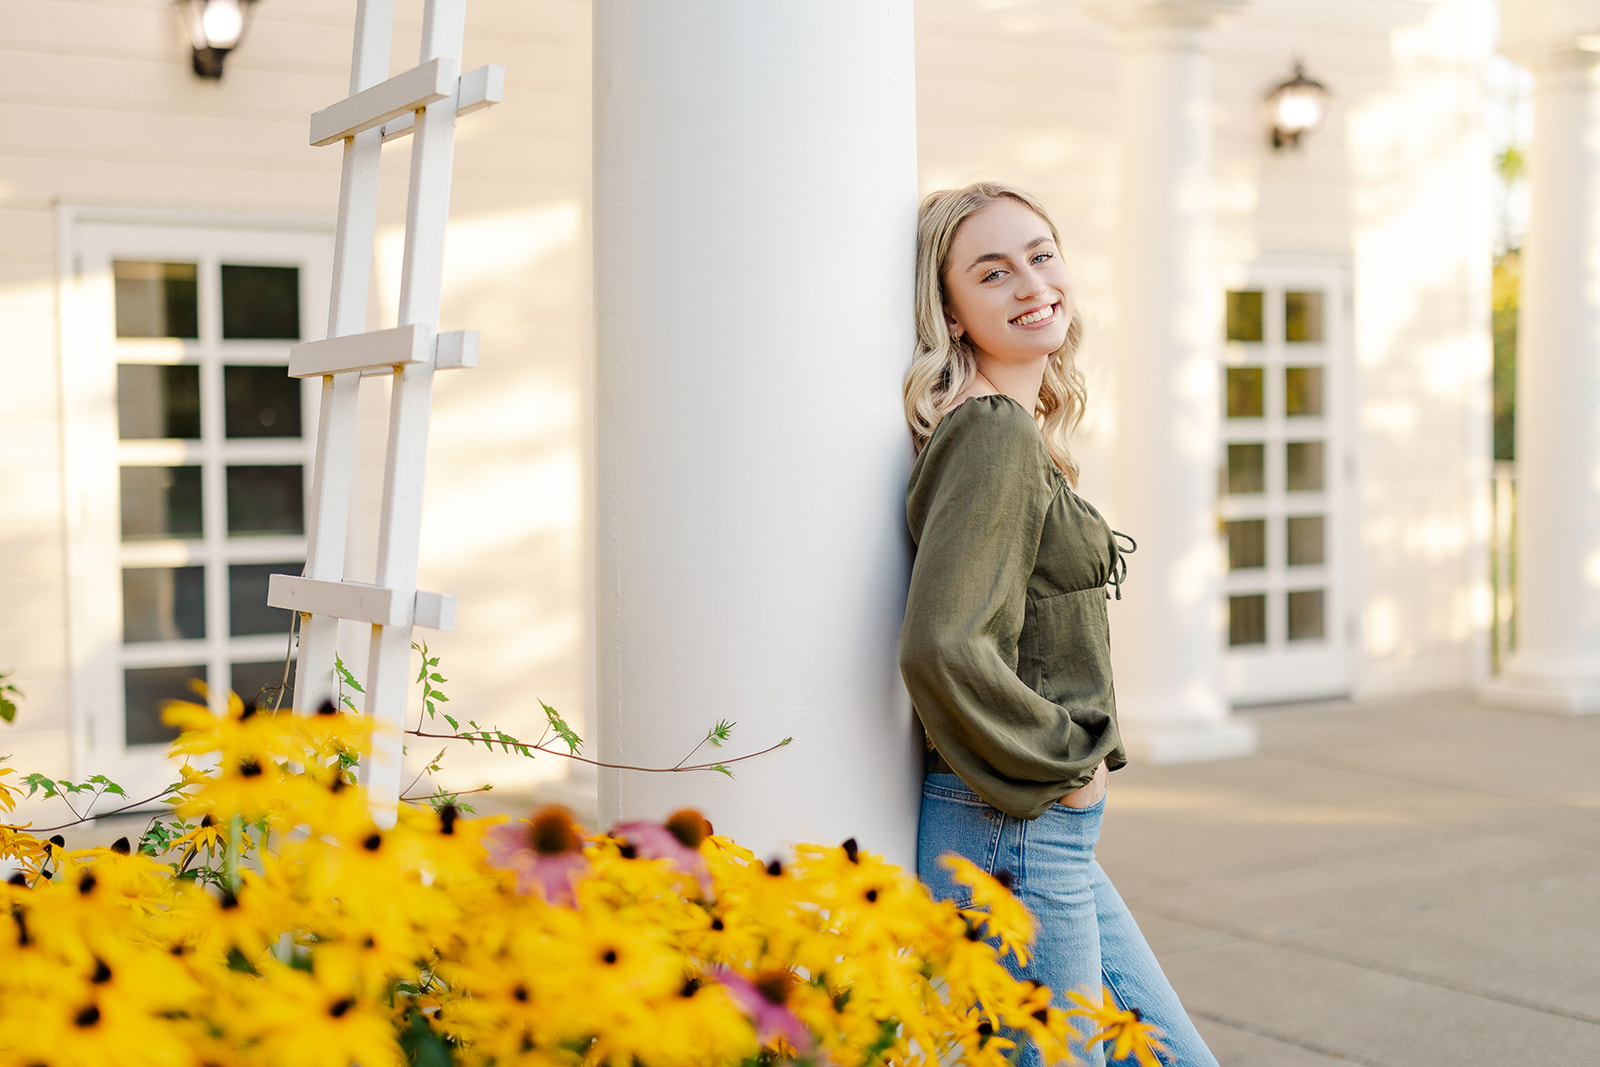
<point>1284,493</point>
<point>188,449</point>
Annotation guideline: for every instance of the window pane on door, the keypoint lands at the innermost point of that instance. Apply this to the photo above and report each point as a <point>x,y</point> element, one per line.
<point>1304,465</point>
<point>258,682</point>
<point>1305,615</point>
<point>145,690</point>
<point>265,500</point>
<point>248,612</point>
<point>260,303</point>
<point>160,502</point>
<point>1244,315</point>
<point>1247,544</point>
<point>156,402</point>
<point>163,603</point>
<point>1305,540</point>
<point>260,402</point>
<point>1302,317</point>
<point>1246,393</point>
<point>1247,468</point>
<point>156,299</point>
<point>1247,619</point>
<point>1302,391</point>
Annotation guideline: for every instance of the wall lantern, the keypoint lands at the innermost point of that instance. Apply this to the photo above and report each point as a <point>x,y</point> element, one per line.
<point>214,28</point>
<point>1296,107</point>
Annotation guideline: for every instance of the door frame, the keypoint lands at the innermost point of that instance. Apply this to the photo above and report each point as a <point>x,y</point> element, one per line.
<point>88,239</point>
<point>1278,672</point>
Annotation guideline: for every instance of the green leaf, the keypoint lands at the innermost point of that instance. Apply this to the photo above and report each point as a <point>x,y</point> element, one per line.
<point>559,725</point>
<point>8,707</point>
<point>722,768</point>
<point>238,962</point>
<point>453,724</point>
<point>345,677</point>
<point>422,1046</point>
<point>106,785</point>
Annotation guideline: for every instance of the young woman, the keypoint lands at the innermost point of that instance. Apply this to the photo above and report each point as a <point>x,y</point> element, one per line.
<point>1005,647</point>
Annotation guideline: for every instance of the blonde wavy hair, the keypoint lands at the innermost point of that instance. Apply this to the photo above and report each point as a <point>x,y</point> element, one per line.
<point>944,365</point>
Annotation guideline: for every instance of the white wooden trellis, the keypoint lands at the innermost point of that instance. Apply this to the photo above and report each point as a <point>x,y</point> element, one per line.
<point>422,102</point>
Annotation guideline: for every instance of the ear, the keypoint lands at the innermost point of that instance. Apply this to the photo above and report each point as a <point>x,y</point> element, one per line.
<point>952,327</point>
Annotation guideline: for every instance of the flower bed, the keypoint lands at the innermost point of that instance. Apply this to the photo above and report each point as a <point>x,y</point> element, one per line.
<point>273,922</point>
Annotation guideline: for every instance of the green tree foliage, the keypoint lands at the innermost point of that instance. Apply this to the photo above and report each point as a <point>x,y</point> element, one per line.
<point>1507,276</point>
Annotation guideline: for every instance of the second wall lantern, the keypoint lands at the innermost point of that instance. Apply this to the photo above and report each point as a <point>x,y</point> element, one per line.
<point>1294,108</point>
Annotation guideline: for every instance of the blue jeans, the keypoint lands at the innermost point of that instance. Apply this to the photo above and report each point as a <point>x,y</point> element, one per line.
<point>1086,936</point>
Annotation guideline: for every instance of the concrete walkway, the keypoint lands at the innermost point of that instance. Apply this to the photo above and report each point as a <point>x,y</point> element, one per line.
<point>1413,883</point>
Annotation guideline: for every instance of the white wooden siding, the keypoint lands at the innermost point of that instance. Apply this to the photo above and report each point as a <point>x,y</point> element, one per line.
<point>98,106</point>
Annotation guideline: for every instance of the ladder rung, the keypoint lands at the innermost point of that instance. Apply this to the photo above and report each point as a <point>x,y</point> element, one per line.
<point>454,349</point>
<point>362,603</point>
<point>416,88</point>
<point>379,350</point>
<point>479,88</point>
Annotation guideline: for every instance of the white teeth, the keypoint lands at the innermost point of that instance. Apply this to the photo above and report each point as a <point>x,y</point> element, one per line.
<point>1034,316</point>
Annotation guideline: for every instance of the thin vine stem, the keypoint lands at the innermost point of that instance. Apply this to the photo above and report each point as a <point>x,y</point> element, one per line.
<point>449,793</point>
<point>104,814</point>
<point>602,763</point>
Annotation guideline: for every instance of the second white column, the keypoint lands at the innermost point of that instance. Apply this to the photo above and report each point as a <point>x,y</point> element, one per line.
<point>1167,636</point>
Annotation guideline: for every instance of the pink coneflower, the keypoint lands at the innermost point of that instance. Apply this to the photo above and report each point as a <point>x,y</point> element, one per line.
<point>678,840</point>
<point>765,1001</point>
<point>544,851</point>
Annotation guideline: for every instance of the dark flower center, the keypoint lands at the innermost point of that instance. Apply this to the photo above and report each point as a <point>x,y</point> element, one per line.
<point>774,986</point>
<point>689,827</point>
<point>553,832</point>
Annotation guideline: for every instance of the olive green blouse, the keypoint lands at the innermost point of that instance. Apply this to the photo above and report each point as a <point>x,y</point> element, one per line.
<point>1005,647</point>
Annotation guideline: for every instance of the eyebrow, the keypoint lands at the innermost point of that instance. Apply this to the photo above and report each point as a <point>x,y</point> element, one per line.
<point>990,257</point>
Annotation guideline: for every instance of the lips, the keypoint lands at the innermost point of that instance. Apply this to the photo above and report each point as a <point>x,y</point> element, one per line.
<point>1036,316</point>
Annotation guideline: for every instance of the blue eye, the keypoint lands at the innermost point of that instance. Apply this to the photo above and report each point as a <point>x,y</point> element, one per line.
<point>1042,256</point>
<point>992,275</point>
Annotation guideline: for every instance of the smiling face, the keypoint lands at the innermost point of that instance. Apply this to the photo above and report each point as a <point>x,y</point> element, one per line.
<point>1006,290</point>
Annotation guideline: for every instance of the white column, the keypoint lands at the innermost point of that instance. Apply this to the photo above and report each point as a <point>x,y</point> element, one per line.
<point>1167,632</point>
<point>1556,666</point>
<point>755,203</point>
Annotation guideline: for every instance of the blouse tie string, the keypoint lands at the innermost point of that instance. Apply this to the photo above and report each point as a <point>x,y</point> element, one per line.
<point>1119,562</point>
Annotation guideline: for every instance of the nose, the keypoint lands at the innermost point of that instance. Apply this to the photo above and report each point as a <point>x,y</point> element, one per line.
<point>1030,282</point>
